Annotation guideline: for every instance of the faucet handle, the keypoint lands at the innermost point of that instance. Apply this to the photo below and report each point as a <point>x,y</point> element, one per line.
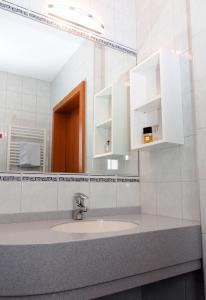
<point>80,198</point>
<point>79,206</point>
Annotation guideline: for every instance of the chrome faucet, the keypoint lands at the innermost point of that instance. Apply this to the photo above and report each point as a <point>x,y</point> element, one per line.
<point>79,207</point>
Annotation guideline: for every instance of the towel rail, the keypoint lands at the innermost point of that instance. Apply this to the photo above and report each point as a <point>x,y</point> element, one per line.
<point>17,135</point>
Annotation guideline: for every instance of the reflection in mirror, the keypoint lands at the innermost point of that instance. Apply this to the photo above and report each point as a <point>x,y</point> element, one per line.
<point>64,102</point>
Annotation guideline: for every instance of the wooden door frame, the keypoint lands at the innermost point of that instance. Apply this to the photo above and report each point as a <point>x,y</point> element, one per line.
<point>79,91</point>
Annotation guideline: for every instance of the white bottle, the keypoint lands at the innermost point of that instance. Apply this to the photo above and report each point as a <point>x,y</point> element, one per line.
<point>107,147</point>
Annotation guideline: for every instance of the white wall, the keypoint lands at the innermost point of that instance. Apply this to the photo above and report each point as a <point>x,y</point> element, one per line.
<point>169,182</point>
<point>79,67</point>
<point>42,192</point>
<point>169,177</point>
<point>198,43</point>
<point>25,102</point>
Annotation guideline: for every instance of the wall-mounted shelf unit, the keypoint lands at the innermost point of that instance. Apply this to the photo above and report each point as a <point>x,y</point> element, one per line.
<point>111,122</point>
<point>156,100</point>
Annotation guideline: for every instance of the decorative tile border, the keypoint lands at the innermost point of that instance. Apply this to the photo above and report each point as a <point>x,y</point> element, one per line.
<point>10,178</point>
<point>103,179</point>
<point>39,179</point>
<point>75,30</point>
<point>127,179</point>
<point>73,179</point>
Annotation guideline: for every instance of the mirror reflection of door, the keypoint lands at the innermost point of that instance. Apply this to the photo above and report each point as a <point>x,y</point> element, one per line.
<point>68,136</point>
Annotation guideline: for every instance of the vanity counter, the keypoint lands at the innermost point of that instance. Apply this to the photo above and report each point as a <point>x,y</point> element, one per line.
<point>39,232</point>
<point>37,260</point>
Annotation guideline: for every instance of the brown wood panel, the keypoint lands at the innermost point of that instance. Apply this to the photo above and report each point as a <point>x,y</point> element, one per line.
<point>68,138</point>
<point>82,128</point>
<point>58,142</point>
<point>72,140</point>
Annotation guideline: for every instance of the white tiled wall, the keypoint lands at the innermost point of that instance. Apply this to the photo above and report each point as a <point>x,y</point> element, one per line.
<point>198,43</point>
<point>44,193</point>
<point>10,197</point>
<point>39,196</point>
<point>25,102</point>
<point>103,194</point>
<point>169,181</point>
<point>125,193</point>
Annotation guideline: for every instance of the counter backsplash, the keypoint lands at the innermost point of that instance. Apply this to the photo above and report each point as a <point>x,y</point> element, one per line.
<point>22,193</point>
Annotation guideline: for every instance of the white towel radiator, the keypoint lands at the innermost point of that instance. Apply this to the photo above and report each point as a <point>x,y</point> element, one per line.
<point>18,134</point>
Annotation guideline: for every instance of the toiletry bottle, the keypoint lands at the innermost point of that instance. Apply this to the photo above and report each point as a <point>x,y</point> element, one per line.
<point>107,148</point>
<point>147,135</point>
<point>156,132</point>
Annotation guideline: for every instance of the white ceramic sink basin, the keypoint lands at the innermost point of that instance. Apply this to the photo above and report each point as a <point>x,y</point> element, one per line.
<point>96,226</point>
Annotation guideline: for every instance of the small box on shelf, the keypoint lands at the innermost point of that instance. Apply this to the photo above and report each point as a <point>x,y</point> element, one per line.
<point>151,118</point>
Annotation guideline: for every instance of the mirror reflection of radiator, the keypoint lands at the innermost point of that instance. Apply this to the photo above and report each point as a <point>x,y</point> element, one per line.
<point>18,135</point>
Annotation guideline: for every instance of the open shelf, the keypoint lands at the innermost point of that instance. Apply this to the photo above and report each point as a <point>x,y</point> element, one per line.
<point>103,121</point>
<point>103,154</point>
<point>151,118</point>
<point>102,135</point>
<point>151,105</point>
<point>105,124</point>
<point>145,81</point>
<point>152,144</point>
<point>103,106</point>
<point>156,100</point>
<point>111,120</point>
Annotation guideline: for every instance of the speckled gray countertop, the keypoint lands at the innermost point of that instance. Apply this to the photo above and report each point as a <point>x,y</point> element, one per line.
<point>34,260</point>
<point>40,232</point>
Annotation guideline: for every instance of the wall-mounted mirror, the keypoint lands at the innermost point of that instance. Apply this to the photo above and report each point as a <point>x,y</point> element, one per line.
<point>63,101</point>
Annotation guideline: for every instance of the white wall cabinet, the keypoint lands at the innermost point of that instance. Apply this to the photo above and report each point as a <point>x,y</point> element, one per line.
<point>111,121</point>
<point>156,100</point>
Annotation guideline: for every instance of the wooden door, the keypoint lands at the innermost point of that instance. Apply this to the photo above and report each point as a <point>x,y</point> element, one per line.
<point>68,138</point>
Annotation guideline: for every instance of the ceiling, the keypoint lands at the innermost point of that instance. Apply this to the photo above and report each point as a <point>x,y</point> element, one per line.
<point>34,50</point>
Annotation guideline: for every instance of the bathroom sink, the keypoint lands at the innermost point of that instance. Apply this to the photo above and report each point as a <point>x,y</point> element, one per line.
<point>96,226</point>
